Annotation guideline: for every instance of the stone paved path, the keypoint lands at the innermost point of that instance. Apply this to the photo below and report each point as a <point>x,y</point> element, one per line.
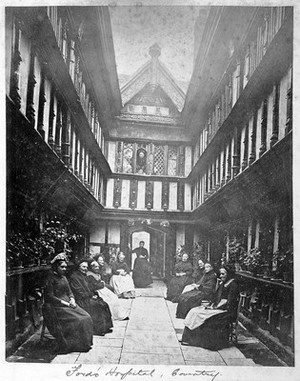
<point>151,336</point>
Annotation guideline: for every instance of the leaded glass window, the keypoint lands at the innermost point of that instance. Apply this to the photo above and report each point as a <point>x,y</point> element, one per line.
<point>159,165</point>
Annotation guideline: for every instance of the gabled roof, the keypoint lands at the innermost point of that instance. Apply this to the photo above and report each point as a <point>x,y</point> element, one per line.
<point>155,74</point>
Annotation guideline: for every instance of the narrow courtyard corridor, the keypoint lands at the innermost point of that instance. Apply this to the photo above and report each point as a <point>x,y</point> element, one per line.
<point>151,336</point>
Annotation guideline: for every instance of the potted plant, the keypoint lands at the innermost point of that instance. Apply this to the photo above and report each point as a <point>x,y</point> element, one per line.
<point>236,253</point>
<point>16,251</point>
<point>284,260</point>
<point>253,260</point>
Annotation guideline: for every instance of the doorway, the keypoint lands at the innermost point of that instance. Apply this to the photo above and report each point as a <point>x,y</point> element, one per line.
<point>136,237</point>
<point>155,243</point>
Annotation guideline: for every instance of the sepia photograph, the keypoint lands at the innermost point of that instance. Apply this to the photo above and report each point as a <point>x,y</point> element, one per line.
<point>149,224</point>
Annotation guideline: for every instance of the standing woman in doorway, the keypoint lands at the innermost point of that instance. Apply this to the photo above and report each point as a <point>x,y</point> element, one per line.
<point>141,269</point>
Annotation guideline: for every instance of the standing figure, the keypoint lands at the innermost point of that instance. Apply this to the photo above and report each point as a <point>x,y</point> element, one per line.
<point>90,301</point>
<point>182,277</point>
<point>67,322</point>
<point>121,280</point>
<point>142,268</point>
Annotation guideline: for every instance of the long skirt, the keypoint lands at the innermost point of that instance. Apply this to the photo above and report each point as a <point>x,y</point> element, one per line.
<point>176,286</point>
<point>72,327</point>
<point>118,312</point>
<point>213,334</point>
<point>101,315</point>
<point>122,283</point>
<point>187,301</point>
<point>142,273</point>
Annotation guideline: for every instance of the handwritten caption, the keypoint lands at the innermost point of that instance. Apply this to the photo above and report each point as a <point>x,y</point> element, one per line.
<point>82,371</point>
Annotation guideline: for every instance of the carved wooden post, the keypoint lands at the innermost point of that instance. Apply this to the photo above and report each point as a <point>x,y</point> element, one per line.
<point>51,117</point>
<point>228,176</point>
<point>42,101</point>
<point>264,122</point>
<point>236,153</point>
<point>66,128</point>
<point>180,197</point>
<point>76,161</point>
<point>133,194</point>
<point>117,192</point>
<point>149,195</point>
<point>246,148</point>
<point>252,156</point>
<point>58,128</point>
<point>275,123</point>
<point>289,116</point>
<point>223,169</point>
<point>30,112</point>
<point>15,68</point>
<point>165,195</point>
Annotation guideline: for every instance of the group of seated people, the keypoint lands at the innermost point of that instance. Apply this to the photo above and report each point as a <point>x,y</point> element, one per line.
<point>88,301</point>
<point>207,303</point>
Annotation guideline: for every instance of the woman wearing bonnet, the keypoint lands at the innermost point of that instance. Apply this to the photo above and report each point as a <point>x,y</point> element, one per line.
<point>98,286</point>
<point>66,321</point>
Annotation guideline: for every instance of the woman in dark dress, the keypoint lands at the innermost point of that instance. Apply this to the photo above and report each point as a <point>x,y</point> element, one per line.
<point>204,289</point>
<point>209,327</point>
<point>182,277</point>
<point>89,301</point>
<point>141,269</point>
<point>197,275</point>
<point>70,324</point>
<point>121,280</point>
<point>98,286</point>
<point>104,270</point>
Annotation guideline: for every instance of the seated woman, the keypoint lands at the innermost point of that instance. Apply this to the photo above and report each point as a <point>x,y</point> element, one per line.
<point>209,327</point>
<point>183,277</point>
<point>89,301</point>
<point>121,280</point>
<point>104,270</point>
<point>203,289</point>
<point>142,268</point>
<point>70,324</point>
<point>197,275</point>
<point>99,287</point>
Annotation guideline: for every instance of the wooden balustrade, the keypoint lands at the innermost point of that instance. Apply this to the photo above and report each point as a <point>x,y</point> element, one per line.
<point>269,305</point>
<point>23,301</point>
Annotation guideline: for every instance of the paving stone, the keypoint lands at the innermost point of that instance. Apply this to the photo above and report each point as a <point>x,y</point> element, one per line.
<point>151,324</point>
<point>134,345</point>
<point>69,358</point>
<point>108,342</point>
<point>231,353</point>
<point>219,362</point>
<point>152,338</point>
<point>239,362</point>
<point>150,358</point>
<point>200,354</point>
<point>117,333</point>
<point>103,356</point>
